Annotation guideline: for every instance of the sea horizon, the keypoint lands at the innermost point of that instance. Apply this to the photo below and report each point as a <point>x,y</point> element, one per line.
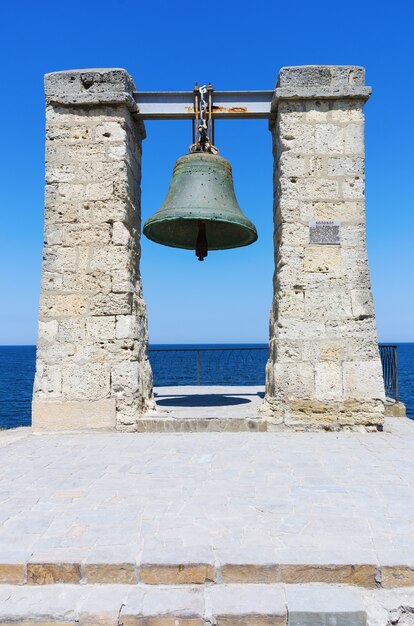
<point>181,364</point>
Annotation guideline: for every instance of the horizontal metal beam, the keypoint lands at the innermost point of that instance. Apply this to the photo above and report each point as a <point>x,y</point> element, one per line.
<point>173,105</point>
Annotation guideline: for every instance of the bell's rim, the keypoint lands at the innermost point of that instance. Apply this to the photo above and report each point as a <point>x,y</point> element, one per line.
<point>248,228</point>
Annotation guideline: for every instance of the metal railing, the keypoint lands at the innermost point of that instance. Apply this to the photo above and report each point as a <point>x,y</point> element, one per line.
<point>238,366</point>
<point>388,354</point>
<point>209,366</point>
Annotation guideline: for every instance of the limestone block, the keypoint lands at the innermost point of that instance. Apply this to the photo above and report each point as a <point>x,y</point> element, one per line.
<point>128,410</point>
<point>120,234</point>
<point>110,258</point>
<point>290,329</point>
<point>52,281</point>
<point>55,353</point>
<point>110,573</point>
<point>311,414</point>
<point>317,189</point>
<point>86,234</point>
<point>355,262</point>
<point>52,573</point>
<point>58,305</point>
<point>59,259</point>
<point>99,212</point>
<point>48,380</point>
<point>48,331</point>
<point>187,573</point>
<point>98,191</point>
<point>322,350</point>
<point>297,234</point>
<point>346,211</point>
<point>298,138</point>
<point>249,573</point>
<point>124,378</point>
<point>78,153</point>
<point>130,326</point>
<point>71,329</point>
<point>328,381</point>
<point>95,171</point>
<point>354,139</point>
<point>329,304</point>
<point>353,329</point>
<point>345,166</point>
<point>363,380</point>
<point>86,381</point>
<point>94,282</point>
<point>360,348</point>
<point>353,235</point>
<point>112,304</point>
<point>53,234</point>
<point>12,574</point>
<point>328,138</point>
<point>61,213</point>
<point>111,131</point>
<point>294,380</point>
<point>287,350</point>
<point>292,164</point>
<point>366,413</point>
<point>353,188</point>
<point>346,111</point>
<point>362,302</point>
<point>121,282</point>
<point>100,328</point>
<point>322,259</point>
<point>118,152</point>
<point>316,166</point>
<point>68,130</point>
<point>317,110</point>
<point>315,76</point>
<point>292,304</point>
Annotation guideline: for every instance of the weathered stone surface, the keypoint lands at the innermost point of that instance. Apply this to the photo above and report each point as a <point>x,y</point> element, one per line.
<point>110,573</point>
<point>73,415</point>
<point>91,289</point>
<point>12,574</point>
<point>250,573</point>
<point>184,574</point>
<point>397,576</point>
<point>360,575</point>
<point>52,573</point>
<point>324,369</point>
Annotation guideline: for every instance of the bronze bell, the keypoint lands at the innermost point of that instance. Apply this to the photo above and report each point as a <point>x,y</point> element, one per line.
<point>200,211</point>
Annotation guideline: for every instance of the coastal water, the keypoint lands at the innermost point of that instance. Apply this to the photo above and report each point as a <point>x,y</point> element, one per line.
<point>215,366</point>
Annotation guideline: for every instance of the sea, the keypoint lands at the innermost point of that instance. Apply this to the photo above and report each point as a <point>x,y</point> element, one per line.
<point>212,364</point>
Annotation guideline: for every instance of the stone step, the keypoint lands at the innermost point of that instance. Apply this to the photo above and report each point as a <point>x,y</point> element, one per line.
<point>220,605</point>
<point>200,425</point>
<point>204,571</point>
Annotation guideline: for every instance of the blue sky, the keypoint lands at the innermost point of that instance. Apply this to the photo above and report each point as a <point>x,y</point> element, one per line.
<point>235,45</point>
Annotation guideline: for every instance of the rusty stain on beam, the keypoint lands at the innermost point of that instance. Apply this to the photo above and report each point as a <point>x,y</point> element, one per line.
<point>160,105</point>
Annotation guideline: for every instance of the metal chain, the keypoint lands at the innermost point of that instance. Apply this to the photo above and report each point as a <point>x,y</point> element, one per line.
<point>203,139</point>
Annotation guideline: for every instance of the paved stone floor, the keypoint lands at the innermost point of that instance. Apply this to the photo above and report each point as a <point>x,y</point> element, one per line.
<point>208,497</point>
<point>209,402</point>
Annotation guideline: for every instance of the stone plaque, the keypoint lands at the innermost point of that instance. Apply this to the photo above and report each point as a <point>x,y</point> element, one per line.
<point>324,232</point>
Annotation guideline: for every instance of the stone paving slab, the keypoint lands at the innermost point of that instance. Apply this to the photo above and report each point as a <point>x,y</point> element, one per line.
<point>222,605</point>
<point>205,409</point>
<point>197,402</point>
<point>209,507</point>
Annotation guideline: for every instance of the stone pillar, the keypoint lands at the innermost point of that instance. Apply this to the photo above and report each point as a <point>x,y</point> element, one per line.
<point>92,369</point>
<point>324,369</point>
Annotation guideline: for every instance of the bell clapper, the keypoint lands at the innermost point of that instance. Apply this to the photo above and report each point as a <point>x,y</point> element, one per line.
<point>201,244</point>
